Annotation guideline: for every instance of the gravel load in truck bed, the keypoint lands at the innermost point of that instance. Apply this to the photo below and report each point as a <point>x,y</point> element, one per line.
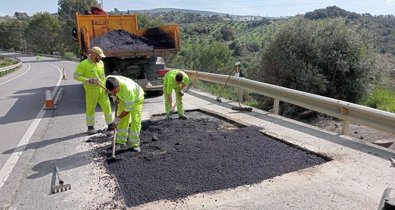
<point>204,153</point>
<point>121,40</point>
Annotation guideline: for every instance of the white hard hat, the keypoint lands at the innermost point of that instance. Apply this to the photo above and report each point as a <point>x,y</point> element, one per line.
<point>237,63</point>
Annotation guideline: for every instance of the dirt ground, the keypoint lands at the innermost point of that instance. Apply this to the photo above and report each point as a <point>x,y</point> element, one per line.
<point>362,133</point>
<point>184,157</point>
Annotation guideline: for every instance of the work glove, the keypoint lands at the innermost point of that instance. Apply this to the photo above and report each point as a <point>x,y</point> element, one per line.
<point>96,81</point>
<point>116,121</point>
<point>114,99</point>
<point>92,81</point>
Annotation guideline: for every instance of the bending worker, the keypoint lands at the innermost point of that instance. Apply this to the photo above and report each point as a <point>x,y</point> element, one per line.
<point>130,98</point>
<point>91,72</point>
<point>177,80</point>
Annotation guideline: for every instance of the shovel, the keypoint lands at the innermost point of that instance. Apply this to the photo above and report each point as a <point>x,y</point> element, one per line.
<point>223,87</point>
<point>113,158</point>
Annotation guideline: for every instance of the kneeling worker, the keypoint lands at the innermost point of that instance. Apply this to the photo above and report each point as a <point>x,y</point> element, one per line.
<point>130,98</point>
<point>177,80</point>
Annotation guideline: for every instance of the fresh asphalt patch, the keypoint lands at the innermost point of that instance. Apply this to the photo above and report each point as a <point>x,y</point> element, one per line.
<point>180,158</point>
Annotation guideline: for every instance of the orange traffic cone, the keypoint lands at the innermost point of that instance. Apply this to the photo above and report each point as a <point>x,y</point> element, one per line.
<point>64,75</point>
<point>49,103</point>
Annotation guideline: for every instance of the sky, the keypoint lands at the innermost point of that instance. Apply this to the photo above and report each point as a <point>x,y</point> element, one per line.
<point>268,8</point>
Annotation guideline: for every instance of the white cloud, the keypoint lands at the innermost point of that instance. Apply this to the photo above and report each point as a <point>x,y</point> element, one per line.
<point>4,14</point>
<point>388,1</point>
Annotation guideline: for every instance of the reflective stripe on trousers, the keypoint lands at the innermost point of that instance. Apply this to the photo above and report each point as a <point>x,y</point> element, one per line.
<point>133,118</point>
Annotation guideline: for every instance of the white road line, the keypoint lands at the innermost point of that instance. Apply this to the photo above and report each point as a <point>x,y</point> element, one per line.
<point>16,154</point>
<point>16,76</point>
<point>59,81</point>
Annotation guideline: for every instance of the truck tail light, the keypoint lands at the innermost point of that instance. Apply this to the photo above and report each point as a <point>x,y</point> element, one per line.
<point>162,72</point>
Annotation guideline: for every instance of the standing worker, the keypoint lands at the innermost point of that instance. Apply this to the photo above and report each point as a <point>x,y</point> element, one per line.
<point>130,98</point>
<point>91,72</point>
<point>177,80</point>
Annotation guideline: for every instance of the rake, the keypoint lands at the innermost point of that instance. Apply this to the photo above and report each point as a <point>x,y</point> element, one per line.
<point>61,187</point>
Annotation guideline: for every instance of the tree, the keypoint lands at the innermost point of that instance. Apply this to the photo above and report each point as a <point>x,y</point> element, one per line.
<point>11,33</point>
<point>21,15</point>
<point>324,57</point>
<point>146,21</point>
<point>43,33</point>
<point>227,33</point>
<point>66,11</point>
<point>68,8</point>
<point>204,56</point>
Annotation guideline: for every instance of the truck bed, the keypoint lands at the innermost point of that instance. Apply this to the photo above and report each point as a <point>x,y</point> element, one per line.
<point>138,53</point>
<point>119,36</point>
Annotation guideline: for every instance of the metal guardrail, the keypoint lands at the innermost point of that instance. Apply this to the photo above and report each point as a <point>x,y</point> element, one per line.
<point>41,55</point>
<point>10,68</point>
<point>348,112</point>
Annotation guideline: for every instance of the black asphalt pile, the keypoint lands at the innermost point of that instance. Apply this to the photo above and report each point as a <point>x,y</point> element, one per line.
<point>184,157</point>
<point>121,40</point>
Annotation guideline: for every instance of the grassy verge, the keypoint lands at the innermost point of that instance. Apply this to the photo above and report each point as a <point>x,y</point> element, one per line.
<point>4,62</point>
<point>381,98</point>
<point>232,93</point>
<point>216,89</point>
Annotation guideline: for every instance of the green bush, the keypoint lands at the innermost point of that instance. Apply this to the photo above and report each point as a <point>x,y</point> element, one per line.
<point>325,57</point>
<point>6,62</point>
<point>381,98</point>
<point>69,55</point>
<point>226,92</point>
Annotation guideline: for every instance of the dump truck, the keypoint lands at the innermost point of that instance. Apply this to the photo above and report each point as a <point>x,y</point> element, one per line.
<point>130,51</point>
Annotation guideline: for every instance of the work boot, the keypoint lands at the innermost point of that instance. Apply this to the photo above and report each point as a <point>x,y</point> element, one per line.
<point>111,127</point>
<point>120,146</point>
<point>117,147</point>
<point>183,117</point>
<point>168,117</point>
<point>135,149</point>
<point>91,130</point>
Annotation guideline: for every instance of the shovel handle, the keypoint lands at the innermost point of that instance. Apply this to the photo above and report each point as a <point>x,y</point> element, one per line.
<point>102,86</point>
<point>115,132</point>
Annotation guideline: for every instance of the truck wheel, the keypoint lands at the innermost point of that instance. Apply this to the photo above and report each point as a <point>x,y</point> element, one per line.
<point>159,92</point>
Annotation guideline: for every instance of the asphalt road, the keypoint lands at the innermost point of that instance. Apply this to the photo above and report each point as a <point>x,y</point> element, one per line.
<point>33,140</point>
<point>22,97</point>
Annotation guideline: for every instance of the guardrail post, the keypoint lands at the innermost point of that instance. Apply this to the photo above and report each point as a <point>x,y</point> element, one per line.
<point>346,127</point>
<point>276,106</point>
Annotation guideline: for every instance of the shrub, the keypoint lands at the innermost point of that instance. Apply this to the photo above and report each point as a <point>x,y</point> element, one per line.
<point>324,57</point>
<point>381,98</point>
